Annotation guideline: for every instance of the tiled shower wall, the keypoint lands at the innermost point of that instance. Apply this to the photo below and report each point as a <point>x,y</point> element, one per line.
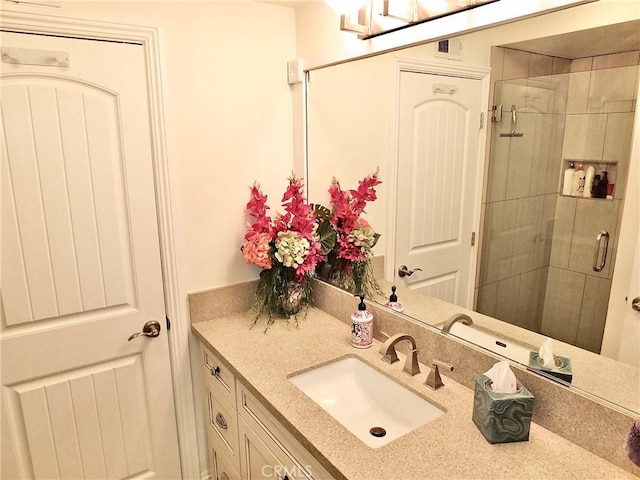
<point>599,123</point>
<point>538,246</point>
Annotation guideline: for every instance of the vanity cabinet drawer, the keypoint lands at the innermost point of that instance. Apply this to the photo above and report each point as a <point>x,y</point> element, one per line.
<point>218,375</point>
<point>220,465</point>
<point>222,424</point>
<point>276,438</point>
<point>263,459</point>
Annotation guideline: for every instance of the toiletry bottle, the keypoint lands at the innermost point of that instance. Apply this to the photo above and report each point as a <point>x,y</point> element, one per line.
<point>600,187</point>
<point>595,189</point>
<point>604,184</point>
<point>578,181</point>
<point>567,182</point>
<point>588,181</point>
<point>393,302</point>
<point>361,326</point>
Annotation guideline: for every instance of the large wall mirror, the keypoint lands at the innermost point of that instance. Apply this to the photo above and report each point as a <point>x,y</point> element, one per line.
<point>565,100</point>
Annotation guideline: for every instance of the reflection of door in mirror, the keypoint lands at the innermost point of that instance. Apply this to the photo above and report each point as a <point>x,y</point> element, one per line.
<point>630,331</point>
<point>539,266</point>
<point>438,133</point>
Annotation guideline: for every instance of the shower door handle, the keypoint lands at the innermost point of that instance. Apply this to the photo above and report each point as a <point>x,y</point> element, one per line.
<point>598,264</point>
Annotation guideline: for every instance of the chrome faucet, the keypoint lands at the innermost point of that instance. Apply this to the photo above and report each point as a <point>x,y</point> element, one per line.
<point>458,317</point>
<point>389,355</point>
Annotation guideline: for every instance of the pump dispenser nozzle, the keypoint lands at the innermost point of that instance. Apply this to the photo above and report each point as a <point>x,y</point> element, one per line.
<point>393,297</point>
<point>393,301</point>
<point>361,305</point>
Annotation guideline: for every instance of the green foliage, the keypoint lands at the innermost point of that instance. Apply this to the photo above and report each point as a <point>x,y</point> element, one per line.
<point>354,277</point>
<point>279,294</point>
<point>327,235</point>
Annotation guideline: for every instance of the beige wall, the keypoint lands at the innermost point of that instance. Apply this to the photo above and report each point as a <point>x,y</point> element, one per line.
<point>228,117</point>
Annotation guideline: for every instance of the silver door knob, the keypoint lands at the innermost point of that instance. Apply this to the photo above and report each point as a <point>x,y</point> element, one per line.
<point>150,329</point>
<point>403,271</point>
<point>635,304</point>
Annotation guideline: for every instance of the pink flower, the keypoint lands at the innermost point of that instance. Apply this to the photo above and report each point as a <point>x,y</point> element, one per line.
<point>257,208</point>
<point>347,208</point>
<point>314,256</point>
<point>256,249</point>
<point>299,219</point>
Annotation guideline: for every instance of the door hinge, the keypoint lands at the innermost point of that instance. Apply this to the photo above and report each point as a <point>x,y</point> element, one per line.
<point>168,323</point>
<point>481,120</point>
<point>473,238</point>
<point>496,113</point>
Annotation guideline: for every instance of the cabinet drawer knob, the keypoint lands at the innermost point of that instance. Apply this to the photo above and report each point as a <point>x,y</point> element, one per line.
<point>215,371</point>
<point>224,476</point>
<point>220,420</point>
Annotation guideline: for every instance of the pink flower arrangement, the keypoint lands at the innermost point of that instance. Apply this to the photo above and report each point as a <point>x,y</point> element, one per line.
<point>285,247</point>
<point>287,239</point>
<point>355,235</point>
<point>347,264</point>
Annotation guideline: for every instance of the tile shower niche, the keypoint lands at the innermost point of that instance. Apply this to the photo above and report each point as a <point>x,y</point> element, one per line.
<point>598,191</point>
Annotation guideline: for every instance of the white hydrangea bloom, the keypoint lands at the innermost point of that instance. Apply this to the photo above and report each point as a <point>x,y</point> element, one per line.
<point>363,237</point>
<point>291,249</point>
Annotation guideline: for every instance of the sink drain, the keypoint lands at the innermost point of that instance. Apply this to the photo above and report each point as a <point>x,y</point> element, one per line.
<point>378,431</point>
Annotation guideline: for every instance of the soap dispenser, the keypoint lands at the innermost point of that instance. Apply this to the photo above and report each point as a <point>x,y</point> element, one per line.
<point>393,302</point>
<point>361,326</point>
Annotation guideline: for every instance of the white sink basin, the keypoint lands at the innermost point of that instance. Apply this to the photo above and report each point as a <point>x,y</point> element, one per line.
<point>493,343</point>
<point>362,399</point>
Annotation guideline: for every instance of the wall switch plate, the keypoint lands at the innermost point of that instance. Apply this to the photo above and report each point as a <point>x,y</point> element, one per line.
<point>295,71</point>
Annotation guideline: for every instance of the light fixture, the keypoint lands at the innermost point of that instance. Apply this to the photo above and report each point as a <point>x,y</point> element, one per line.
<point>369,18</point>
<point>348,9</point>
<point>404,10</point>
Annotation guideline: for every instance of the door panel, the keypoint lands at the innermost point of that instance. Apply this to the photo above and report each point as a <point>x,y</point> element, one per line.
<point>86,423</point>
<point>437,177</point>
<point>81,270</point>
<point>75,239</point>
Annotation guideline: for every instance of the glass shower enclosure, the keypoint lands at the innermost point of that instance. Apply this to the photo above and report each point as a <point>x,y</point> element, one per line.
<point>548,253</point>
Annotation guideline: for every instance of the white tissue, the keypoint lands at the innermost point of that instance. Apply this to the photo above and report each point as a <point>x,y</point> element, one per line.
<point>546,354</point>
<point>504,381</point>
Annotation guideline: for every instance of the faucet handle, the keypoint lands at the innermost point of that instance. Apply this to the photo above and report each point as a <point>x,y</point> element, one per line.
<point>411,363</point>
<point>433,379</point>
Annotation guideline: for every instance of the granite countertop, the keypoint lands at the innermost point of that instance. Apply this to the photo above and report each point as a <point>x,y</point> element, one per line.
<point>449,447</point>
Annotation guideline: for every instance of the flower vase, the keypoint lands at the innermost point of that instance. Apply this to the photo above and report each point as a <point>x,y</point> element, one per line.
<point>291,300</point>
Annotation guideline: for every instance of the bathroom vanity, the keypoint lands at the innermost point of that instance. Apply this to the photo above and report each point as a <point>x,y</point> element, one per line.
<point>274,430</point>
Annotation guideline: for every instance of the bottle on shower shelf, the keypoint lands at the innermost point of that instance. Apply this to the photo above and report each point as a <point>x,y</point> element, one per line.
<point>567,183</point>
<point>578,181</point>
<point>588,181</point>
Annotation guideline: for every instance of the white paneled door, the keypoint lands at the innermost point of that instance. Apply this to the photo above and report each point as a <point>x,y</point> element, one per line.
<point>80,266</point>
<point>438,134</point>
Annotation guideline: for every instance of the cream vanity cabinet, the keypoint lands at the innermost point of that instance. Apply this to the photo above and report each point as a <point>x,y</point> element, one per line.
<point>244,440</point>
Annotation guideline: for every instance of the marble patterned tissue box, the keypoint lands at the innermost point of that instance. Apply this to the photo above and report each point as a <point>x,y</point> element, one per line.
<point>562,369</point>
<point>502,417</point>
